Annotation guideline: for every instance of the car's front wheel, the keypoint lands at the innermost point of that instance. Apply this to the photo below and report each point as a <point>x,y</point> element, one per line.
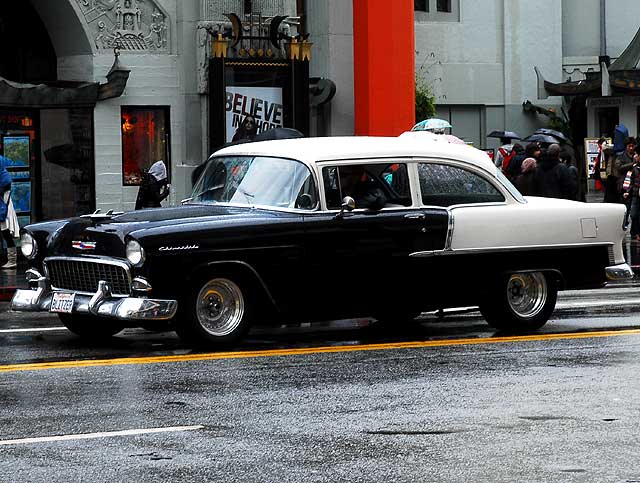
<point>89,326</point>
<point>522,302</point>
<point>217,313</point>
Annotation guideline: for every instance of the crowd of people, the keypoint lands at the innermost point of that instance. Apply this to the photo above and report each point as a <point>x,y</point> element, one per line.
<point>545,172</point>
<point>549,172</point>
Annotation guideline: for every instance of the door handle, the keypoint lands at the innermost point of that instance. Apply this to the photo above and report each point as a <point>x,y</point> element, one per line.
<point>415,216</point>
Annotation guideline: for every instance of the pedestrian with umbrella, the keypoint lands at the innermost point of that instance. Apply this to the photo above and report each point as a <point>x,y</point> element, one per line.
<point>541,138</point>
<point>506,150</point>
<point>435,125</point>
<point>560,137</point>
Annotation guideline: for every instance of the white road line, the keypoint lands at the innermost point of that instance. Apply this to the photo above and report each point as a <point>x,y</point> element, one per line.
<point>35,329</point>
<point>108,434</point>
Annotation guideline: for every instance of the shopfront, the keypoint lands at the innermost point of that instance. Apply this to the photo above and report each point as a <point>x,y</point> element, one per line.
<point>258,79</point>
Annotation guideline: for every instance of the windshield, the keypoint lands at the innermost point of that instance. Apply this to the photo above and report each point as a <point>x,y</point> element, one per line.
<point>256,180</point>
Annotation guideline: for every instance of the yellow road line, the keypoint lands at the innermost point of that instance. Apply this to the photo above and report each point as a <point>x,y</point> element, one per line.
<point>39,366</point>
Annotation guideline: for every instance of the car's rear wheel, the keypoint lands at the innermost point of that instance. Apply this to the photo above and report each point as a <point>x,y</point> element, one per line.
<point>89,326</point>
<point>218,312</point>
<point>522,302</point>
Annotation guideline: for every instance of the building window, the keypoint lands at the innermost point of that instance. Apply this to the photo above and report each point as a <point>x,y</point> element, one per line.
<point>145,140</point>
<point>443,6</point>
<point>436,10</point>
<point>421,5</point>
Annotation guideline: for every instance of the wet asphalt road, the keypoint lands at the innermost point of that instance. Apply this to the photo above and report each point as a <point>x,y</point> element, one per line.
<point>540,409</point>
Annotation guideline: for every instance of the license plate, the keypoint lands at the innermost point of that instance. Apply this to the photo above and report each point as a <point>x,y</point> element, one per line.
<point>62,302</point>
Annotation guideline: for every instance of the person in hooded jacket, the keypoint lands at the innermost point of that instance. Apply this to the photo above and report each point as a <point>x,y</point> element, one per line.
<point>553,179</point>
<point>154,187</point>
<point>515,166</point>
<point>526,181</point>
<point>8,220</point>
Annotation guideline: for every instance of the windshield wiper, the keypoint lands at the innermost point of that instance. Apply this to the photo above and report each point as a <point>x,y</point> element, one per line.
<point>246,194</point>
<point>211,188</point>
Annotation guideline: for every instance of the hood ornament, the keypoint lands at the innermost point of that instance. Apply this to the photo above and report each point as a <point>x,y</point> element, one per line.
<point>83,245</point>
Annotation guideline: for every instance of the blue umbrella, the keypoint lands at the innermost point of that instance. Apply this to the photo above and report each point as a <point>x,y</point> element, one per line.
<point>432,123</point>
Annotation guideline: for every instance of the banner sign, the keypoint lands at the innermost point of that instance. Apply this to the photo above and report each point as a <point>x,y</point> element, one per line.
<point>251,110</point>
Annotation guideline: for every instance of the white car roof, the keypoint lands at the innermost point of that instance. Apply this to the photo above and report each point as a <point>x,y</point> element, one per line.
<point>318,149</point>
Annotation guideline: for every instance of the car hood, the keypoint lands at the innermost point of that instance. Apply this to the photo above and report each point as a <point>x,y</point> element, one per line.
<point>100,235</point>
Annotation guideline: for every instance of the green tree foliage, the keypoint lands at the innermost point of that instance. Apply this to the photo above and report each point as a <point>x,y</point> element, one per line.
<point>425,101</point>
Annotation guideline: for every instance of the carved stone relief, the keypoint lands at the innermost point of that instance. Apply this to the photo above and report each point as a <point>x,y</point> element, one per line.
<point>131,25</point>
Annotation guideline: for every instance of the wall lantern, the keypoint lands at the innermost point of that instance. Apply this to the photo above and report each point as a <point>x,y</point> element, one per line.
<point>219,46</point>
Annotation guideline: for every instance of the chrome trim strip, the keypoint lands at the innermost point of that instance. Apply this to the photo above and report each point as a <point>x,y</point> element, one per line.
<point>452,222</point>
<point>97,260</point>
<point>466,251</point>
<point>92,259</point>
<point>619,272</point>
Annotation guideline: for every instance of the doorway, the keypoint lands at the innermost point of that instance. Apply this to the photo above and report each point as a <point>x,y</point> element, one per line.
<point>607,119</point>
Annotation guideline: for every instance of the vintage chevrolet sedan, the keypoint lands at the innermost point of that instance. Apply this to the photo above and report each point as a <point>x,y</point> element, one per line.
<point>319,229</point>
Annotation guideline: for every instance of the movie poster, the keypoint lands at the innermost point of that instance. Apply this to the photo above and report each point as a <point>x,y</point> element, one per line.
<point>251,110</point>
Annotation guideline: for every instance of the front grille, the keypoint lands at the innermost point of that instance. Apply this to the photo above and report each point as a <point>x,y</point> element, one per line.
<point>79,275</point>
<point>612,256</point>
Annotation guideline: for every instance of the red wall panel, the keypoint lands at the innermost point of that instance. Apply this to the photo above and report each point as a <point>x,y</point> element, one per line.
<point>384,67</point>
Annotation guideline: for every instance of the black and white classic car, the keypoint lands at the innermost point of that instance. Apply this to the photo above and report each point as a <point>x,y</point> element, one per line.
<point>320,229</point>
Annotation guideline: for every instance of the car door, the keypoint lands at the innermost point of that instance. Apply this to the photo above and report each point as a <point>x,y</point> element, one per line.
<point>365,256</point>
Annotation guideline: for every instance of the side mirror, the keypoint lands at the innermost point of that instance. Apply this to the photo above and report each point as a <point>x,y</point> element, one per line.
<point>348,204</point>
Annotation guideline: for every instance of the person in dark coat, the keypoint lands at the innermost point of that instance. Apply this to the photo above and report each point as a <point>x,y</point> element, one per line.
<point>356,182</point>
<point>553,179</point>
<point>566,159</point>
<point>247,129</point>
<point>526,181</point>
<point>515,166</point>
<point>632,196</point>
<point>623,164</point>
<point>154,187</point>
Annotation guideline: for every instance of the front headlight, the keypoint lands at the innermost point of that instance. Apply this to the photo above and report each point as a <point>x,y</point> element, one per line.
<point>135,253</point>
<point>28,245</point>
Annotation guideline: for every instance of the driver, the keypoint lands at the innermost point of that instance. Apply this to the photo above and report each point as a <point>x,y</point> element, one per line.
<point>355,182</point>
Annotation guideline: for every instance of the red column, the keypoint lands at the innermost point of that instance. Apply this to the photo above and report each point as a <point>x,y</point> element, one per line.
<point>384,67</point>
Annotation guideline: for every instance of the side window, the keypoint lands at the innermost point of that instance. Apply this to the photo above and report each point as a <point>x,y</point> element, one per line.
<point>372,186</point>
<point>444,185</point>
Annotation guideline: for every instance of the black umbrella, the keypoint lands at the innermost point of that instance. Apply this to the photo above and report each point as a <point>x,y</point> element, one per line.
<point>552,132</point>
<point>504,135</point>
<point>541,138</point>
<point>278,133</point>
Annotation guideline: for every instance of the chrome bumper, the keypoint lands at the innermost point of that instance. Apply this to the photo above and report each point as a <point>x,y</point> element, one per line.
<point>102,303</point>
<point>619,272</point>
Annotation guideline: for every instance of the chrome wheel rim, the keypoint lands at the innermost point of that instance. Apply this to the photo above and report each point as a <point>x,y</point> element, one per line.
<point>220,307</point>
<point>527,294</point>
